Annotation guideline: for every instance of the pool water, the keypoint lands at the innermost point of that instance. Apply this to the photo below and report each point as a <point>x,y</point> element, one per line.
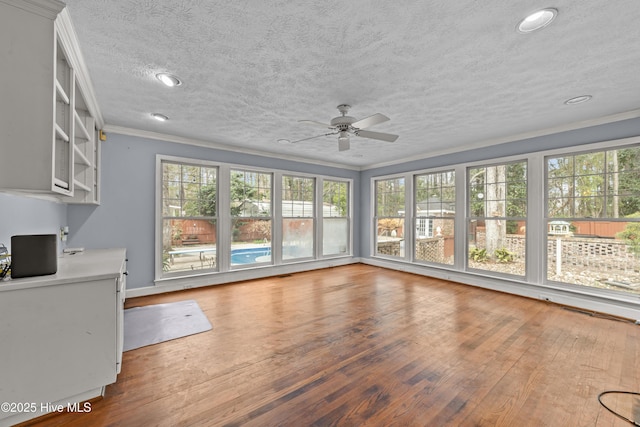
<point>248,255</point>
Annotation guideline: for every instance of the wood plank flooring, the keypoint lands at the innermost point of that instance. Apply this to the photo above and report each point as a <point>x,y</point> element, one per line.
<point>364,346</point>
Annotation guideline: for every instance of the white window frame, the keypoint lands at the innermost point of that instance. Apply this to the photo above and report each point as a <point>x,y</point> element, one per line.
<point>574,151</point>
<point>224,219</point>
<point>486,216</point>
<point>415,217</point>
<point>158,261</point>
<point>536,232</point>
<point>406,215</point>
<point>271,217</point>
<point>320,214</point>
<point>424,227</point>
<point>313,217</point>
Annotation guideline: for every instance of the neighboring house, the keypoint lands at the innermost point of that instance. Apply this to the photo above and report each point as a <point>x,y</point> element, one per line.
<point>430,214</point>
<point>290,209</point>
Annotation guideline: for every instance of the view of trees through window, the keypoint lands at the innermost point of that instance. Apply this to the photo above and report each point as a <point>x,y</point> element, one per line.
<point>390,212</point>
<point>189,217</point>
<point>435,211</point>
<point>497,218</point>
<point>593,219</point>
<point>195,217</point>
<point>298,217</point>
<point>251,217</point>
<point>335,217</point>
<point>589,234</point>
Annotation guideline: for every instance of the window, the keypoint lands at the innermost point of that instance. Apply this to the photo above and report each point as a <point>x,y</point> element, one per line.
<point>434,211</point>
<point>222,218</point>
<point>335,217</point>
<point>189,217</point>
<point>497,218</point>
<point>593,219</point>
<point>424,228</point>
<point>298,217</point>
<point>251,217</point>
<point>389,220</point>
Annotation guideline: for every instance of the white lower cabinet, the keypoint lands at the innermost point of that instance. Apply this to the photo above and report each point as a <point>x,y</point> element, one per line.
<point>61,335</point>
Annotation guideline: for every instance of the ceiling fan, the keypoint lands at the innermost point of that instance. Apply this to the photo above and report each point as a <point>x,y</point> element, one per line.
<point>344,126</point>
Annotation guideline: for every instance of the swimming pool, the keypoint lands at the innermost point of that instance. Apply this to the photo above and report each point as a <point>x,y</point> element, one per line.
<point>248,255</point>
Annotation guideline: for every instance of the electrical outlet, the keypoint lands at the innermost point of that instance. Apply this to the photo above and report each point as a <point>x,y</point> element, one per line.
<point>64,232</point>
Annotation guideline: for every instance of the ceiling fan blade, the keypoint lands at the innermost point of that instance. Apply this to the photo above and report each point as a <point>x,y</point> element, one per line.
<point>313,122</point>
<point>312,137</point>
<point>376,135</point>
<point>343,144</point>
<point>370,121</point>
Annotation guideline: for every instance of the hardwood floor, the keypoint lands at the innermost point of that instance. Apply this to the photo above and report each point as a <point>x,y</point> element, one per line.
<point>364,346</point>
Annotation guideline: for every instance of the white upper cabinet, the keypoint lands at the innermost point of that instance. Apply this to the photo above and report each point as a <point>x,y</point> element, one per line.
<point>48,115</point>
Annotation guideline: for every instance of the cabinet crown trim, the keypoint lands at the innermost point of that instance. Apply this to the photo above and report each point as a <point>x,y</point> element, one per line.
<point>45,8</point>
<point>69,38</point>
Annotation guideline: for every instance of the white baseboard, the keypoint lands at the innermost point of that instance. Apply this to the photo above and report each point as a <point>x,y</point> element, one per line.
<point>619,306</point>
<point>198,281</point>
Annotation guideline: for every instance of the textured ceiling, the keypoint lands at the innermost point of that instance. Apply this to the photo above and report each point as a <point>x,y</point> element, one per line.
<point>450,74</point>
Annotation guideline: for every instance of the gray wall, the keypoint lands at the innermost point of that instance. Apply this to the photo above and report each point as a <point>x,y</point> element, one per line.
<point>27,215</point>
<point>126,215</point>
<point>608,132</point>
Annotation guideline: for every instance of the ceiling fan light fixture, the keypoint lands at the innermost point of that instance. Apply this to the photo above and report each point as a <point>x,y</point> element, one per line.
<point>344,126</point>
<point>159,117</point>
<point>343,141</point>
<point>169,79</point>
<point>537,20</point>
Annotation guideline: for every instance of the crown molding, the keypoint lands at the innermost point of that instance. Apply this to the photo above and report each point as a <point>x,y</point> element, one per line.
<point>213,145</point>
<point>46,8</point>
<point>69,38</point>
<point>633,114</point>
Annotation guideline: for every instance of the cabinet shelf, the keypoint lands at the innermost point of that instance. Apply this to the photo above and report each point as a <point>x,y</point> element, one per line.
<point>84,133</point>
<point>80,186</point>
<point>61,133</point>
<point>61,93</point>
<point>79,157</point>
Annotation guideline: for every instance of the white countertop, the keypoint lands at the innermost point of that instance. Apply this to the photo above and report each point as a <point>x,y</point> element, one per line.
<point>92,264</point>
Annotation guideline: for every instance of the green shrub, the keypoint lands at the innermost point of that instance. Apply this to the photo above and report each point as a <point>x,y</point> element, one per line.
<point>478,254</point>
<point>503,255</point>
<point>631,234</point>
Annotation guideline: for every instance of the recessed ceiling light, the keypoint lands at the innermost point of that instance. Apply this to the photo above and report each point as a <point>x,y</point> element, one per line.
<point>169,79</point>
<point>578,100</point>
<point>159,117</point>
<point>284,141</point>
<point>537,20</point>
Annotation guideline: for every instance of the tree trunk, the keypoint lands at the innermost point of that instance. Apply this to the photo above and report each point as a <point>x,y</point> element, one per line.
<point>166,225</point>
<point>616,184</point>
<point>495,229</point>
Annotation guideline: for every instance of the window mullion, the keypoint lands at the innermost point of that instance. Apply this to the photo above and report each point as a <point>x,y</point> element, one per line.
<point>224,217</point>
<point>536,234</point>
<point>318,210</point>
<point>277,219</point>
<point>461,223</point>
<point>409,221</point>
